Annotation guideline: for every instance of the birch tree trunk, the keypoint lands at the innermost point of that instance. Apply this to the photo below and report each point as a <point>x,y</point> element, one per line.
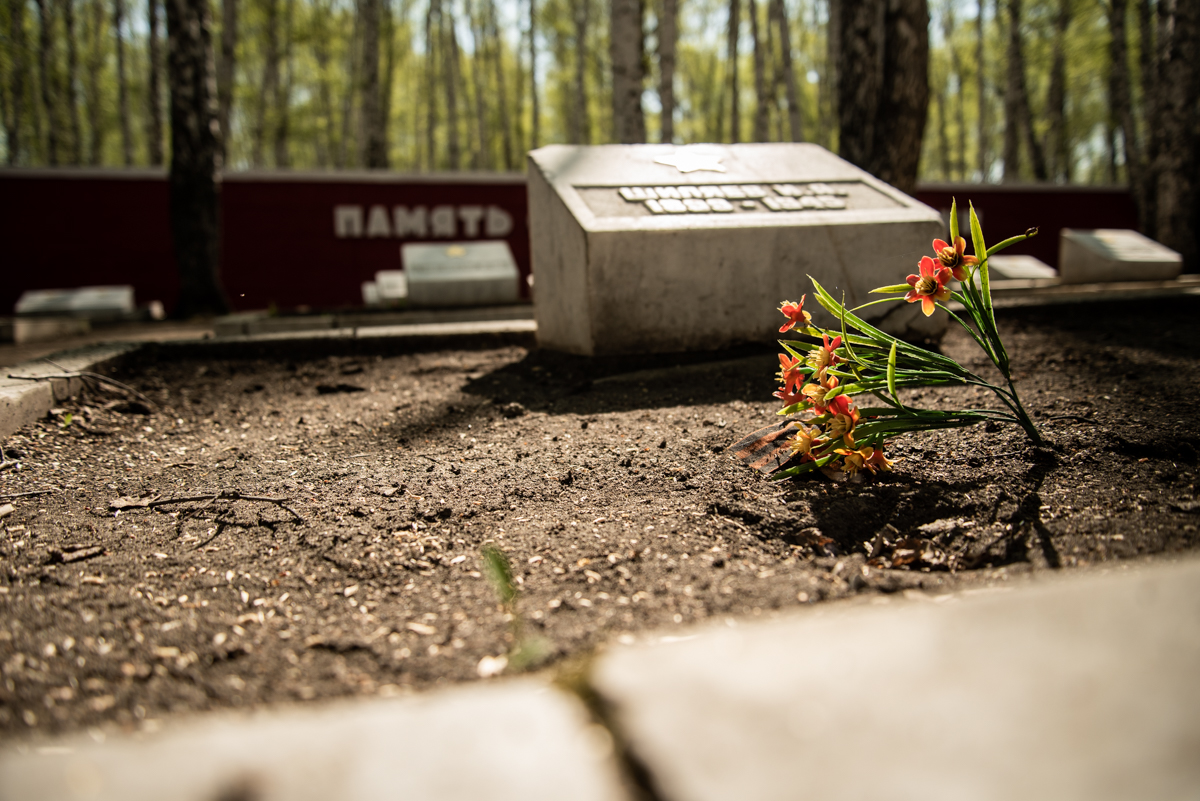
<point>45,81</point>
<point>95,63</point>
<point>668,34</point>
<point>1058,167</point>
<point>795,117</point>
<point>627,51</point>
<point>732,34</point>
<point>227,71</point>
<point>154,130</point>
<point>374,145</point>
<point>283,94</point>
<point>762,103</point>
<point>1179,143</point>
<point>122,83</point>
<point>68,10</point>
<point>195,158</point>
<point>17,77</point>
<point>948,28</point>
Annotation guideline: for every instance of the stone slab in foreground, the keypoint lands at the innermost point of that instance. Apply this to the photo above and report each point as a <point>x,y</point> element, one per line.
<point>514,741</point>
<point>1081,688</point>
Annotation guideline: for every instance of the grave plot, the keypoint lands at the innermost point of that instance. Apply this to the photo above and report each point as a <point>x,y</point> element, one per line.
<point>290,530</point>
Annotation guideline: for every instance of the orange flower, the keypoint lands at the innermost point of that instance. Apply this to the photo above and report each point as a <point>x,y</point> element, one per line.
<point>824,357</point>
<point>929,286</point>
<point>816,392</point>
<point>790,398</point>
<point>865,457</point>
<point>789,373</point>
<point>842,425</point>
<point>952,256</point>
<point>795,313</point>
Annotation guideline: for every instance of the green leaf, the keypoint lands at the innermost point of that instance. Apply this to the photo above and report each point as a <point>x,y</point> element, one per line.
<point>1012,240</point>
<point>985,289</point>
<point>499,573</point>
<point>953,220</point>
<point>891,374</point>
<point>886,290</point>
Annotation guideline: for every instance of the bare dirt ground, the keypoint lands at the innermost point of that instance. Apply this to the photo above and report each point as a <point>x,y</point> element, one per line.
<point>605,481</point>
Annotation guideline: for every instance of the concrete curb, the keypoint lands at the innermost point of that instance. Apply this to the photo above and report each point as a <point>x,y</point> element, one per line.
<point>22,401</point>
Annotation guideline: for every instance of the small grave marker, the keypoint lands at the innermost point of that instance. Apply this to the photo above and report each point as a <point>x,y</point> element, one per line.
<point>459,274</point>
<point>657,248</point>
<point>1106,254</point>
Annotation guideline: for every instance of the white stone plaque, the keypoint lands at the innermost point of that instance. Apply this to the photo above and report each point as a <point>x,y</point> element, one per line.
<point>1106,254</point>
<point>658,248</point>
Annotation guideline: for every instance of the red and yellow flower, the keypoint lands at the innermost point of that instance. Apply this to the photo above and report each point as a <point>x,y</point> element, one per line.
<point>816,392</point>
<point>790,373</point>
<point>824,357</point>
<point>795,313</point>
<point>952,256</point>
<point>930,286</point>
<point>802,441</point>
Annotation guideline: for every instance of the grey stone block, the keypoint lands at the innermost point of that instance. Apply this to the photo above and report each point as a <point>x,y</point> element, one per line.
<point>91,302</point>
<point>1104,255</point>
<point>645,248</point>
<point>460,274</point>
<point>1080,688</point>
<point>24,401</point>
<point>517,741</point>
<point>1019,267</point>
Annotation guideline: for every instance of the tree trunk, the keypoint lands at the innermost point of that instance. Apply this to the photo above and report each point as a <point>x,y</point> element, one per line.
<point>269,85</point>
<point>283,93</point>
<point>1018,120</point>
<point>453,80</point>
<point>483,154</point>
<point>762,104</point>
<point>948,28</point>
<point>943,134</point>
<point>795,117</point>
<point>497,51</point>
<point>326,145</point>
<point>1148,62</point>
<point>981,89</point>
<point>627,52</point>
<point>45,79</point>
<point>122,83</point>
<point>732,33</point>
<point>154,130</point>
<point>1119,98</point>
<point>68,8</point>
<point>668,34</point>
<point>195,158</point>
<point>1179,143</point>
<point>535,113</point>
<point>348,156</point>
<point>374,146</point>
<point>859,79</point>
<point>432,26</point>
<point>388,79</point>
<point>94,65</point>
<point>582,20</point>
<point>17,77</point>
<point>1058,167</point>
<point>227,75</point>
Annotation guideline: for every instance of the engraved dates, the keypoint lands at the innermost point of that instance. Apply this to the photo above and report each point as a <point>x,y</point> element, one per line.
<point>715,198</point>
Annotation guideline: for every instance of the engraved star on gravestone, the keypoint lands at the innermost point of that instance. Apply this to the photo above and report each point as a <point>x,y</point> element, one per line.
<point>692,161</point>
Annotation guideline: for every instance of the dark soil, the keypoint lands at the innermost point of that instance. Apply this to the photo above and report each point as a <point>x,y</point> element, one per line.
<point>605,481</point>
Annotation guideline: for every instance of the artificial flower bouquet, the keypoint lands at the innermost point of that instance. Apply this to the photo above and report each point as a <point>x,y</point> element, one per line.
<point>823,380</point>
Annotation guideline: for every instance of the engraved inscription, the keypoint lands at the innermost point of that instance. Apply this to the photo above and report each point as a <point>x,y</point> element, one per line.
<point>714,198</point>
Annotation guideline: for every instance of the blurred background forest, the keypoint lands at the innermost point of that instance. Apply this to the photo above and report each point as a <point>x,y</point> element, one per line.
<point>1016,90</point>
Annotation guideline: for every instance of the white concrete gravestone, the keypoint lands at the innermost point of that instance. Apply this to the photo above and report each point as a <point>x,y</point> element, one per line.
<point>460,274</point>
<point>92,302</point>
<point>657,248</point>
<point>1114,255</point>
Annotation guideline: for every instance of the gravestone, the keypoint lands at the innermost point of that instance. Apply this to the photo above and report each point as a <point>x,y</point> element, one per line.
<point>1106,254</point>
<point>91,302</point>
<point>657,248</point>
<point>460,274</point>
<point>1019,267</point>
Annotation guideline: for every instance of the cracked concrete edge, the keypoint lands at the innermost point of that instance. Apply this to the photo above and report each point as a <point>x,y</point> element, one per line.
<point>24,401</point>
<point>518,740</point>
